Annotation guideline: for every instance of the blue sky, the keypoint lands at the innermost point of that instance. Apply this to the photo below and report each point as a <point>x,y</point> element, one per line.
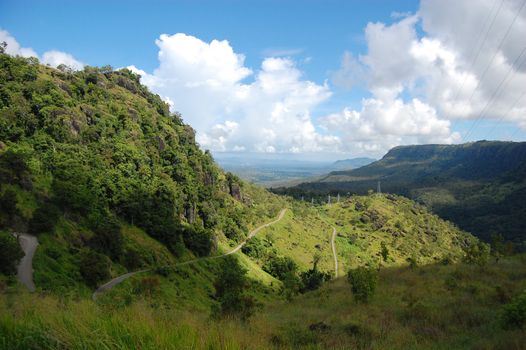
<point>313,36</point>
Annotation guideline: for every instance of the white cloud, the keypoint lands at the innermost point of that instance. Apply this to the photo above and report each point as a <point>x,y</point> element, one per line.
<point>56,58</point>
<point>383,124</point>
<point>206,82</point>
<point>13,47</point>
<point>53,58</point>
<point>432,68</point>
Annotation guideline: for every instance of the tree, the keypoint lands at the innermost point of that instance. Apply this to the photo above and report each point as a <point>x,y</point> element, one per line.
<point>44,219</point>
<point>94,267</point>
<point>198,240</point>
<point>291,285</point>
<point>363,283</point>
<point>384,251</point>
<point>230,287</point>
<point>280,266</point>
<point>3,47</point>
<point>313,279</point>
<point>10,255</point>
<point>107,236</point>
<point>477,253</point>
<point>514,314</point>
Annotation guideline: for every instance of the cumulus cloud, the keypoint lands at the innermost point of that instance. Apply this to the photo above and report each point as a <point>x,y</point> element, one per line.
<point>233,107</point>
<point>432,58</point>
<point>56,58</point>
<point>14,48</point>
<point>53,58</point>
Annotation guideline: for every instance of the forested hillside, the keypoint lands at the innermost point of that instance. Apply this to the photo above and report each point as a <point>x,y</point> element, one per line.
<point>96,159</point>
<point>480,186</point>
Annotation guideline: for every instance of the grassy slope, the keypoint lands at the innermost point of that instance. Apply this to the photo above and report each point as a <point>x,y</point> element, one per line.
<point>434,306</point>
<point>407,229</point>
<point>480,186</point>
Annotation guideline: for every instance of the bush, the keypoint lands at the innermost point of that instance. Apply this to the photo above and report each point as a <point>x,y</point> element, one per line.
<point>514,314</point>
<point>132,259</point>
<point>198,240</point>
<point>107,238</point>
<point>94,267</point>
<point>280,267</point>
<point>384,251</point>
<point>313,278</point>
<point>230,286</point>
<point>10,255</point>
<point>44,219</point>
<point>477,253</point>
<point>148,286</point>
<point>291,285</point>
<point>363,283</point>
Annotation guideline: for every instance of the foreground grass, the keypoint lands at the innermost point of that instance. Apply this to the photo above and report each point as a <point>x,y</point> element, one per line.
<point>429,307</point>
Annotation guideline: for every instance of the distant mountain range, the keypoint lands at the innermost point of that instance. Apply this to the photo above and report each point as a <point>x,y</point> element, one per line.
<point>272,171</point>
<point>480,186</point>
<point>353,163</point>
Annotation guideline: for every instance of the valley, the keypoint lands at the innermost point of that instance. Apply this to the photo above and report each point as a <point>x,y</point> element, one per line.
<point>139,239</point>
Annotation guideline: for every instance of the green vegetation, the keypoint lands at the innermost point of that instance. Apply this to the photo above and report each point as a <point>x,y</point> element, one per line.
<point>11,253</point>
<point>230,288</point>
<point>89,157</point>
<point>433,306</point>
<point>363,283</point>
<point>389,230</point>
<point>111,181</point>
<point>479,186</point>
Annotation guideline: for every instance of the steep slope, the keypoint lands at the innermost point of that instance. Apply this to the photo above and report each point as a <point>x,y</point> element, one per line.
<point>108,177</point>
<point>480,186</point>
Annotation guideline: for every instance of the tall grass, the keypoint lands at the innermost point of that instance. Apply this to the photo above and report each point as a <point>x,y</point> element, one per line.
<point>429,307</point>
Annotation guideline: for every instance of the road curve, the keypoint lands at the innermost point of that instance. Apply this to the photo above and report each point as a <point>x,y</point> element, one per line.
<point>333,245</point>
<point>29,245</point>
<point>112,283</point>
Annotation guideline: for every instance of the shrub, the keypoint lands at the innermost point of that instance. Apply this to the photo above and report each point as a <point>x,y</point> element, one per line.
<point>44,219</point>
<point>132,259</point>
<point>107,238</point>
<point>514,314</point>
<point>230,286</point>
<point>313,278</point>
<point>279,266</point>
<point>384,251</point>
<point>363,283</point>
<point>94,267</point>
<point>477,253</point>
<point>10,254</point>
<point>291,285</point>
<point>412,261</point>
<point>198,240</point>
<point>148,286</point>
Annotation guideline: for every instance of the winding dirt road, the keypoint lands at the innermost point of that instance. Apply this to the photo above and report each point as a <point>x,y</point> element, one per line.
<point>112,283</point>
<point>333,245</point>
<point>29,245</point>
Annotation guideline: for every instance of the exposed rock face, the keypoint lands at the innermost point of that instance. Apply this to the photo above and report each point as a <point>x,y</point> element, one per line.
<point>235,190</point>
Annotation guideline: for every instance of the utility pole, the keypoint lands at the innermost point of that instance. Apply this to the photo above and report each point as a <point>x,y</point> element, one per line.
<point>329,199</point>
<point>312,200</point>
<point>338,198</point>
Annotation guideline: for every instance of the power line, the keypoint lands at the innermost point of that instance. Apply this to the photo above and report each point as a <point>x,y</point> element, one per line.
<point>506,114</point>
<point>480,47</point>
<point>481,114</point>
<point>493,58</point>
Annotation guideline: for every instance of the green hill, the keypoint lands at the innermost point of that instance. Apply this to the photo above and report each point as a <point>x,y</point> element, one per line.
<point>110,181</point>
<point>479,186</point>
<point>98,167</point>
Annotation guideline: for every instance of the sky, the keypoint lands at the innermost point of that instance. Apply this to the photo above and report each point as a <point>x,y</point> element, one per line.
<point>309,79</point>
